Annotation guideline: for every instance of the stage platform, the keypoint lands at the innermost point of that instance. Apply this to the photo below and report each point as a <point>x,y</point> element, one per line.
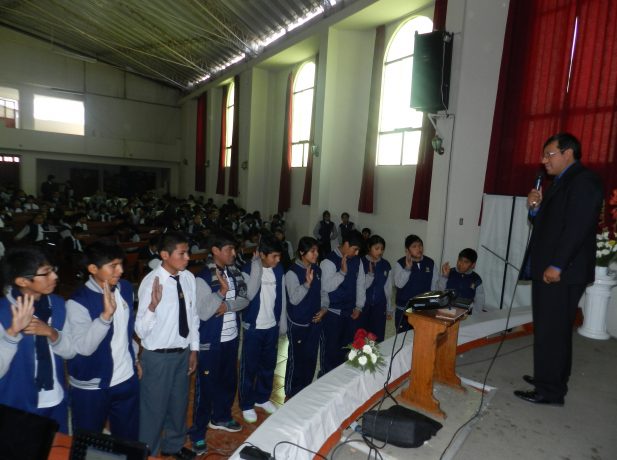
<point>316,417</point>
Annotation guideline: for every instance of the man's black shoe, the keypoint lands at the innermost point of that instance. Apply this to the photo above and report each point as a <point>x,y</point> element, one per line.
<point>182,454</point>
<point>529,379</point>
<point>533,397</point>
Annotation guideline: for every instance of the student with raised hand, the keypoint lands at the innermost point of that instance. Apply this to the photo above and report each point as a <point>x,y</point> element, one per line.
<point>413,274</point>
<point>344,286</point>
<point>34,381</point>
<point>103,374</point>
<point>168,325</point>
<point>378,275</point>
<point>22,311</point>
<point>221,292</point>
<point>305,311</point>
<point>263,321</point>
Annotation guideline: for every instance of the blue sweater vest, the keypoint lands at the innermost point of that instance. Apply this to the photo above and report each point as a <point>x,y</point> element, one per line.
<point>100,363</point>
<point>210,330</point>
<point>464,285</point>
<point>249,314</point>
<point>375,294</point>
<point>303,312</point>
<point>18,386</point>
<point>344,296</point>
<point>419,281</point>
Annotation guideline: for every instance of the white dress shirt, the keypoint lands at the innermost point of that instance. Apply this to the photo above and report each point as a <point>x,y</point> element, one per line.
<point>159,329</point>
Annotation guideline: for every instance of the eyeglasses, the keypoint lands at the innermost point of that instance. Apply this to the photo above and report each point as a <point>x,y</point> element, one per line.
<point>549,155</point>
<point>52,269</point>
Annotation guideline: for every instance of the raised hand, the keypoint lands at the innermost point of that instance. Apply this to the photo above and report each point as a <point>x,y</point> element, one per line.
<point>408,261</point>
<point>223,281</point>
<point>38,327</point>
<point>309,275</point>
<point>157,294</point>
<point>344,264</point>
<point>109,302</point>
<point>22,311</point>
<point>445,269</point>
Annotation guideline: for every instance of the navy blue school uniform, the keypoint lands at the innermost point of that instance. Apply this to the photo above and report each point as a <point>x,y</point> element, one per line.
<point>338,327</point>
<point>217,373</point>
<point>422,278</point>
<point>465,285</point>
<point>259,346</point>
<point>302,332</point>
<point>375,311</point>
<point>19,387</point>
<point>94,397</point>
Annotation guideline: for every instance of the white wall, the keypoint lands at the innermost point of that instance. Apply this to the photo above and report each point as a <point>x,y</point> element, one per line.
<point>127,118</point>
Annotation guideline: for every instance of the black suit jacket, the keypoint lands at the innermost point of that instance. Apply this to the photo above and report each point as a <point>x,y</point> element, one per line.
<point>564,229</point>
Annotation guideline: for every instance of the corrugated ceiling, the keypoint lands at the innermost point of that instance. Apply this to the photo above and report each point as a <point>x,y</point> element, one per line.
<point>179,42</point>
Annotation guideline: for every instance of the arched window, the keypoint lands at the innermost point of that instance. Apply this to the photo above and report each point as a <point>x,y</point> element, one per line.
<point>229,123</point>
<point>400,125</point>
<point>303,93</point>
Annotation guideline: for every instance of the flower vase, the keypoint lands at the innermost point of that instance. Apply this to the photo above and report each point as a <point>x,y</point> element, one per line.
<point>597,300</point>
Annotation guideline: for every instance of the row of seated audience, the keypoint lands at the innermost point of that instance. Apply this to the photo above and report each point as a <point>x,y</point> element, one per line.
<point>129,357</point>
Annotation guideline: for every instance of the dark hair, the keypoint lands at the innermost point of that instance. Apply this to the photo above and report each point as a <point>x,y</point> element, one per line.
<point>169,241</point>
<point>269,244</point>
<point>345,214</point>
<point>323,214</point>
<point>367,230</point>
<point>220,240</point>
<point>21,261</point>
<point>468,254</point>
<point>353,238</point>
<point>566,141</point>
<point>305,244</point>
<point>100,253</point>
<point>411,239</point>
<point>375,239</point>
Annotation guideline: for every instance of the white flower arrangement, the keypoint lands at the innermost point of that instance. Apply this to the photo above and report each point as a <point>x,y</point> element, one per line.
<point>606,248</point>
<point>364,352</point>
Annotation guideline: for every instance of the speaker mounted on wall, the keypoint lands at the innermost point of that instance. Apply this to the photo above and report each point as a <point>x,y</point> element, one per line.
<point>430,80</point>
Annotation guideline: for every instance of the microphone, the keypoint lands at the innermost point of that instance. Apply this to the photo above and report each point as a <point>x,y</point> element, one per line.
<point>538,183</point>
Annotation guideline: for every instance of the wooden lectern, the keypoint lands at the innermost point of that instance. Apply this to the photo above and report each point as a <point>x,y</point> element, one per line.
<point>433,357</point>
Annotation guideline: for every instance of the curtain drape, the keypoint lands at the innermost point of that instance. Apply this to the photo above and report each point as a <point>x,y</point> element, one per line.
<point>200,143</point>
<point>424,169</point>
<point>235,147</point>
<point>220,180</point>
<point>564,80</point>
<point>285,181</point>
<point>365,202</point>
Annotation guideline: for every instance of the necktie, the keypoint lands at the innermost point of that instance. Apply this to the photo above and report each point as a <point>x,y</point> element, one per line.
<point>44,369</point>
<point>182,321</point>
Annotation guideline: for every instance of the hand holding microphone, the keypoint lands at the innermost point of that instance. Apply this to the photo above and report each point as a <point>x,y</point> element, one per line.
<point>534,198</point>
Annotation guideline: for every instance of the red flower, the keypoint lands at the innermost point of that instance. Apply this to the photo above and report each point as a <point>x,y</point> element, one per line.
<point>358,343</point>
<point>371,336</point>
<point>360,333</point>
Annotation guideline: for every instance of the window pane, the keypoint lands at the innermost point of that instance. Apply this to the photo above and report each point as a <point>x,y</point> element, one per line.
<point>306,154</point>
<point>305,78</point>
<point>228,157</point>
<point>58,115</point>
<point>229,126</point>
<point>297,153</point>
<point>403,41</point>
<point>389,149</point>
<point>302,116</point>
<point>411,147</point>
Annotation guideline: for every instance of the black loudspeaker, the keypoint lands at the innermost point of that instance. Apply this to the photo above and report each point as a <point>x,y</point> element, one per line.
<point>399,426</point>
<point>25,436</point>
<point>430,81</point>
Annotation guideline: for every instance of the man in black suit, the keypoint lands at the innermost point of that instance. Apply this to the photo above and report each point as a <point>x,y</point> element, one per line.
<point>560,261</point>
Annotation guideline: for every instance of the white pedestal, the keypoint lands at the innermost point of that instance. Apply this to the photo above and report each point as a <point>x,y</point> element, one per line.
<point>597,300</point>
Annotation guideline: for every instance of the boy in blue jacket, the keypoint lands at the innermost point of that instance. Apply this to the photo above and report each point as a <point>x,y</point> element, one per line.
<point>221,292</point>
<point>103,374</point>
<point>465,282</point>
<point>34,381</point>
<point>263,321</point>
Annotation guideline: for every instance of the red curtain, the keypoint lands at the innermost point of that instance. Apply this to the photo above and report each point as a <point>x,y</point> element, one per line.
<point>308,176</point>
<point>424,169</point>
<point>235,145</point>
<point>220,180</point>
<point>285,182</point>
<point>200,144</point>
<point>365,203</point>
<point>548,85</point>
